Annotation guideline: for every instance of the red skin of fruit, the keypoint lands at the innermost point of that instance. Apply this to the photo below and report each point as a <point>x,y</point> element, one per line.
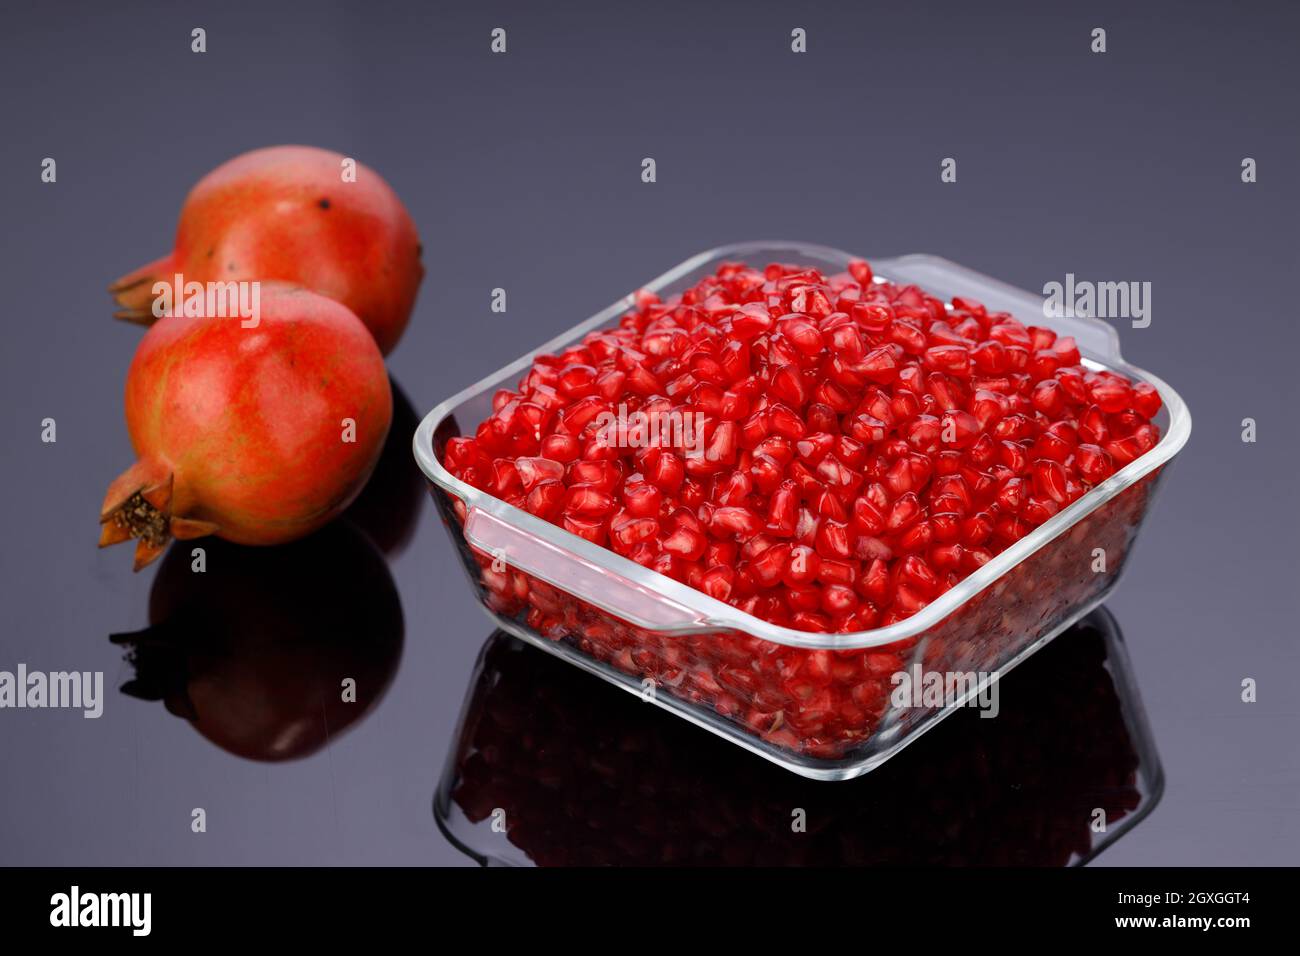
<point>240,431</point>
<point>285,213</point>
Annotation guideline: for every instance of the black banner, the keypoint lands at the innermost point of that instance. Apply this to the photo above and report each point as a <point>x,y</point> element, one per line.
<point>304,904</point>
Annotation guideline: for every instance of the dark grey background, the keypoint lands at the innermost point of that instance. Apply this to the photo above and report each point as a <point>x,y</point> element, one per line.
<point>522,171</point>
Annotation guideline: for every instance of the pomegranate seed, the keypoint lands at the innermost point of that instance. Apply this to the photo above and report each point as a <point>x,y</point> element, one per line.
<point>1049,479</point>
<point>738,521</point>
<point>588,500</point>
<point>1093,463</point>
<point>718,582</point>
<point>642,500</point>
<point>534,470</point>
<point>545,499</point>
<point>686,543</point>
<point>833,540</point>
<point>1146,400</point>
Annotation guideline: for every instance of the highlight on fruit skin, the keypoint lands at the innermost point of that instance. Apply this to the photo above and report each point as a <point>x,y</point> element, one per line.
<point>257,435</point>
<point>299,214</point>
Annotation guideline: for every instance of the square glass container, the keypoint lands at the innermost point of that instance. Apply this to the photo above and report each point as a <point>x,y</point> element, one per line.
<point>739,676</point>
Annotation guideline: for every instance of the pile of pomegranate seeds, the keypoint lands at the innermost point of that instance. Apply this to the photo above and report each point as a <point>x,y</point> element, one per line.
<point>862,447</point>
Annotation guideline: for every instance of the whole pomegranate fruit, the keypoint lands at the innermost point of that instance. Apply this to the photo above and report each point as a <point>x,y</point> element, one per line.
<point>288,213</point>
<point>258,435</point>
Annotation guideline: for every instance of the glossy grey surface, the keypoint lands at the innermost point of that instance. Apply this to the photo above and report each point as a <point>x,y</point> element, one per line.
<point>522,171</point>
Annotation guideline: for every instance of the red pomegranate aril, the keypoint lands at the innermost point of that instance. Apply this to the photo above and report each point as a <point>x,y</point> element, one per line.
<point>838,599</point>
<point>642,500</point>
<point>577,381</point>
<point>720,552</point>
<point>738,521</point>
<point>545,499</point>
<point>947,527</point>
<point>604,475</point>
<point>867,517</point>
<point>1111,395</point>
<point>1052,446</point>
<point>905,511</point>
<point>534,470</point>
<point>593,529</point>
<point>918,575</point>
<point>750,321</point>
<point>1011,496</point>
<point>1038,510</point>
<point>803,567</point>
<point>918,537</point>
<point>834,540</point>
<point>1067,351</point>
<point>770,566</point>
<point>1049,479</point>
<point>984,452</point>
<point>1123,450</point>
<point>1146,400</point>
<point>1093,463</point>
<point>718,582</point>
<point>733,489</point>
<point>783,511</point>
<point>629,531</point>
<point>1049,397</point>
<point>561,447</point>
<point>686,543</point>
<point>959,429</point>
<point>953,359</point>
<point>665,470</point>
<point>860,270</point>
<point>1043,364</point>
<point>588,500</point>
<point>947,557</point>
<point>990,358</point>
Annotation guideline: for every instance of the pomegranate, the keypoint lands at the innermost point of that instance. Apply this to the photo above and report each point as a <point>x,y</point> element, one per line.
<point>258,435</point>
<point>288,213</point>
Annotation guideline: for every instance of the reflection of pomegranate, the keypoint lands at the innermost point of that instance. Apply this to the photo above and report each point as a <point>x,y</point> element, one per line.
<point>254,650</point>
<point>389,504</point>
<point>587,775</point>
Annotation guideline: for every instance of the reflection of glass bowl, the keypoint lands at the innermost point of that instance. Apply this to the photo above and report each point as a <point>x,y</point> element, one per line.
<point>254,650</point>
<point>552,768</point>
